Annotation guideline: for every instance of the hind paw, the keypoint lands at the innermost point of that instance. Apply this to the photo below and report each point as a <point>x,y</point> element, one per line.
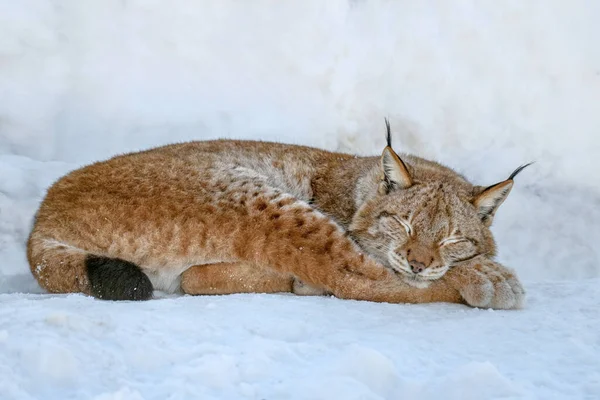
<point>302,289</point>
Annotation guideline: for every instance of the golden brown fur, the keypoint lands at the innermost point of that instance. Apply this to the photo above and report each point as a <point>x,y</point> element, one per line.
<point>224,216</point>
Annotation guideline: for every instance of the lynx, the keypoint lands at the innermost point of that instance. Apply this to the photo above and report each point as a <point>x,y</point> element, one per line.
<point>219,217</point>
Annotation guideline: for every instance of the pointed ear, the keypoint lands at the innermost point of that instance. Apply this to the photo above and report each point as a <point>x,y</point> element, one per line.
<point>488,201</point>
<point>394,171</point>
<point>490,198</point>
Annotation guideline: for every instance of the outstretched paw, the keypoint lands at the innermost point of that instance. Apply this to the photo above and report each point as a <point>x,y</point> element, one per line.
<point>487,284</point>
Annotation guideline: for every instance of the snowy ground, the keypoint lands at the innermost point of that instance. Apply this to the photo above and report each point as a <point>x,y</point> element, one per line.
<point>285,347</point>
<point>480,86</point>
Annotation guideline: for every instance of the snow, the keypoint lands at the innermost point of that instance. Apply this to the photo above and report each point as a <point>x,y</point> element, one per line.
<point>480,86</point>
<point>286,347</point>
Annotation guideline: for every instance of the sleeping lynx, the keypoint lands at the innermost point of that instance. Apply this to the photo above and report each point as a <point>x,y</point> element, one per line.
<point>224,216</point>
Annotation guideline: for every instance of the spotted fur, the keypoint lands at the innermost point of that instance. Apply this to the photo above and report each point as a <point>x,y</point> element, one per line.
<point>226,216</point>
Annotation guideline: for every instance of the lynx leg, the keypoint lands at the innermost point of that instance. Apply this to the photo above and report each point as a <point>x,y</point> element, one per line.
<point>298,240</point>
<point>58,268</point>
<point>277,230</point>
<point>228,278</point>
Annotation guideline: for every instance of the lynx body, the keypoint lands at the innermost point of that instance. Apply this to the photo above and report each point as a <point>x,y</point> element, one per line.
<point>224,216</point>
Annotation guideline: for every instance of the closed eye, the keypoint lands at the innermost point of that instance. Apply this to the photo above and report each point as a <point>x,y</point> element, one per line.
<point>454,262</point>
<point>405,225</point>
<point>458,249</point>
<point>385,216</point>
<point>452,240</point>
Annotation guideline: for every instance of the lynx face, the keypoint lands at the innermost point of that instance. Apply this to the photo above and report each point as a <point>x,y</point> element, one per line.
<point>420,222</point>
<point>422,231</point>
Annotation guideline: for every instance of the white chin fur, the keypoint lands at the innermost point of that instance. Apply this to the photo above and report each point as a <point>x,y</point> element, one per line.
<point>417,283</point>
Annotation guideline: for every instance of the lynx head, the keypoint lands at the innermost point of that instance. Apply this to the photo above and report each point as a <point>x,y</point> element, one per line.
<point>420,218</point>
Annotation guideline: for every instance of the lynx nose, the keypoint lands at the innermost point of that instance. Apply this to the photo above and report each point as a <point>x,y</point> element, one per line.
<point>416,266</point>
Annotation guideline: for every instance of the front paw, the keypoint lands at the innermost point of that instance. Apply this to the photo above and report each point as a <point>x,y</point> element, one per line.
<point>487,284</point>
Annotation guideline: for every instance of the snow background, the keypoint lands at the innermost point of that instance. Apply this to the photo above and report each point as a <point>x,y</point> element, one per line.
<point>480,86</point>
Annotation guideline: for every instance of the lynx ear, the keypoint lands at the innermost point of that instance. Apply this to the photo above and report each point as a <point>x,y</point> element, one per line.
<point>488,200</point>
<point>394,171</point>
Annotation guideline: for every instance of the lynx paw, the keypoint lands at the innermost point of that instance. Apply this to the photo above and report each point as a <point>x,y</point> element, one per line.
<point>302,289</point>
<point>487,284</point>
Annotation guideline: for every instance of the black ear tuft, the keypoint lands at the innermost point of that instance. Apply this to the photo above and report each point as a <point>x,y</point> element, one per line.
<point>389,133</point>
<point>518,170</point>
